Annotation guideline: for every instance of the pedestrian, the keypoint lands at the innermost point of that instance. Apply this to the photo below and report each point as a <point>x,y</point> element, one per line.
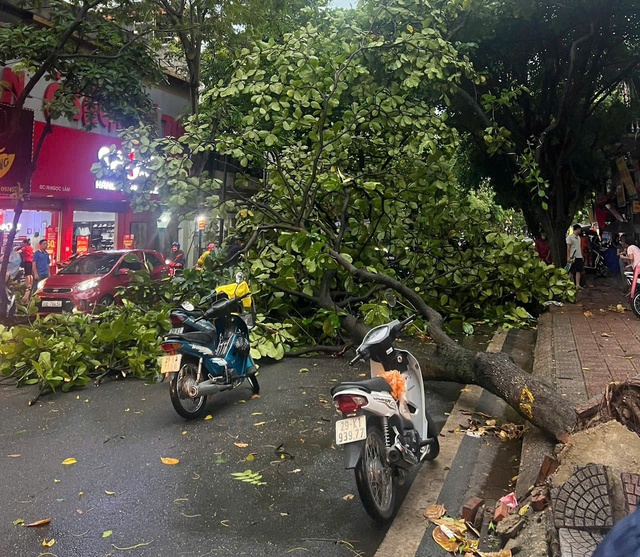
<point>233,250</point>
<point>41,263</point>
<point>543,248</point>
<point>26,251</point>
<point>631,256</point>
<point>575,261</point>
<point>211,249</point>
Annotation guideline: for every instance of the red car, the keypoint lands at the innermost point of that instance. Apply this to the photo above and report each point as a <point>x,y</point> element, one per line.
<point>93,278</point>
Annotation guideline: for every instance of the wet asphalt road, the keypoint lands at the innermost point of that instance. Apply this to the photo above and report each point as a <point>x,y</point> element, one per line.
<point>118,433</point>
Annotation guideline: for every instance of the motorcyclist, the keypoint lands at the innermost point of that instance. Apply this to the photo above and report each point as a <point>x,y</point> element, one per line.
<point>176,258</point>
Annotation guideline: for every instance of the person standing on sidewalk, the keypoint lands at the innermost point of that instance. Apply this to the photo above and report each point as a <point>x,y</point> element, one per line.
<point>633,258</point>
<point>574,255</point>
<point>26,251</point>
<point>41,263</point>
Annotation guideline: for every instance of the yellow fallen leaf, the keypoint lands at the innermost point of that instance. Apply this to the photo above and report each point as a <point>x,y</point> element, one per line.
<point>169,461</point>
<point>251,456</point>
<point>184,433</point>
<point>49,543</point>
<point>605,335</point>
<point>39,523</point>
<point>69,461</point>
<point>56,481</point>
<point>523,510</point>
<point>208,417</point>
<point>588,314</point>
<point>241,445</point>
<point>107,533</point>
<point>109,492</point>
<point>348,496</point>
<point>434,511</point>
<point>490,423</point>
<point>80,493</point>
<point>259,424</point>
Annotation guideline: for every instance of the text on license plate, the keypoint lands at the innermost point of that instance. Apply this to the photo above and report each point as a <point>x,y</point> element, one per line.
<point>351,429</point>
<point>176,331</point>
<point>51,303</point>
<point>171,364</point>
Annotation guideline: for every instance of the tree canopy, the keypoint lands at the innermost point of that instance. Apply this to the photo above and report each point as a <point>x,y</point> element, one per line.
<point>555,93</point>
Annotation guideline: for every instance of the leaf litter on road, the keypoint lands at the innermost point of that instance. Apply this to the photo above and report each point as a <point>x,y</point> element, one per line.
<point>169,461</point>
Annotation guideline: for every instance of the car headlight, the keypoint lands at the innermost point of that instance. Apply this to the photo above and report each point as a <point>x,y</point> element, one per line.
<point>88,284</point>
<point>41,284</point>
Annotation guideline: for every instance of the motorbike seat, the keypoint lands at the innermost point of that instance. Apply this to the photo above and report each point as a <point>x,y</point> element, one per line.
<point>367,385</point>
<point>195,337</point>
<point>192,313</point>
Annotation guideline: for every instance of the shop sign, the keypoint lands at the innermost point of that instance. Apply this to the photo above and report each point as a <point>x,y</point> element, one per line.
<point>82,244</point>
<point>201,223</point>
<point>8,227</point>
<point>15,150</point>
<point>52,243</point>
<point>128,241</point>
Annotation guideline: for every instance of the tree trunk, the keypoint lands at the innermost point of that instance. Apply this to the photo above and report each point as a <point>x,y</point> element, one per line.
<point>532,398</point>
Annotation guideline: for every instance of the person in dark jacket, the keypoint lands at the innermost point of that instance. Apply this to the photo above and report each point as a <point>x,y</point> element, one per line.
<point>623,540</point>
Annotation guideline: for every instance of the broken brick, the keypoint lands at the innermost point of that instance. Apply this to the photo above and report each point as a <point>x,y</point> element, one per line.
<point>547,468</point>
<point>471,508</point>
<point>510,527</point>
<point>501,512</point>
<point>539,498</point>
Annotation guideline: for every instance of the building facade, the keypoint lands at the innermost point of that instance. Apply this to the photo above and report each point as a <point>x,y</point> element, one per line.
<point>66,204</point>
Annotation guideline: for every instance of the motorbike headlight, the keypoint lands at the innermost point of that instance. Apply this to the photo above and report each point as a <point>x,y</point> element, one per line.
<point>41,284</point>
<point>88,284</point>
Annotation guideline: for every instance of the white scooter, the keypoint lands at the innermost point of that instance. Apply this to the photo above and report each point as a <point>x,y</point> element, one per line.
<point>383,438</point>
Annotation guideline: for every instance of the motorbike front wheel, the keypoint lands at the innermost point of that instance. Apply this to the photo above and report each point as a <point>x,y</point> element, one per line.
<point>603,271</point>
<point>374,477</point>
<point>185,405</point>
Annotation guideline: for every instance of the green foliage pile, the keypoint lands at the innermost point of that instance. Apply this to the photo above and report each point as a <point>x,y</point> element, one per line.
<point>60,352</point>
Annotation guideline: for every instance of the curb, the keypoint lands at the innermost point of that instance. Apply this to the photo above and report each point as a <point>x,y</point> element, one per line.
<point>535,443</point>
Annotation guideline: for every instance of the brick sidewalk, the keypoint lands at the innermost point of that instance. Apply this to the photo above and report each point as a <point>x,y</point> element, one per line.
<point>591,345</point>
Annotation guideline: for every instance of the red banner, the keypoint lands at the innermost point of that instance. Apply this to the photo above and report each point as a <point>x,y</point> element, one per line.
<point>15,150</point>
<point>82,244</point>
<point>52,244</point>
<point>128,241</point>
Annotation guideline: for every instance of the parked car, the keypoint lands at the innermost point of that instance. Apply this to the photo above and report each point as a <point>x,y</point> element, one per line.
<point>93,278</point>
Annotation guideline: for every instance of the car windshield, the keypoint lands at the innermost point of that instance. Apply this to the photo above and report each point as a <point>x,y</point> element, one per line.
<point>94,264</point>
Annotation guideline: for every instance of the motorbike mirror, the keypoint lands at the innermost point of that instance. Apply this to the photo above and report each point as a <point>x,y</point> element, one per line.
<point>187,306</point>
<point>390,298</point>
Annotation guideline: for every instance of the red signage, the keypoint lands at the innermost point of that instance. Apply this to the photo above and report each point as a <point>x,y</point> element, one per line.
<point>127,241</point>
<point>52,243</point>
<point>82,244</point>
<point>15,150</point>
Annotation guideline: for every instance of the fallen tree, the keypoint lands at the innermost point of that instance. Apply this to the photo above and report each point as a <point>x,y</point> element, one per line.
<point>347,119</point>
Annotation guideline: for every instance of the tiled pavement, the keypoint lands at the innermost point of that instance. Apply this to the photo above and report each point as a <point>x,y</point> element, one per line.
<point>590,344</point>
<point>593,345</point>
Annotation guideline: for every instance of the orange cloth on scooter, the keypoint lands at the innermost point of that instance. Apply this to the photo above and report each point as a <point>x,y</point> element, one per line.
<point>397,382</point>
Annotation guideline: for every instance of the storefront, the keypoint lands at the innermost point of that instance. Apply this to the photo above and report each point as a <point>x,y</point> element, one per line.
<point>66,205</point>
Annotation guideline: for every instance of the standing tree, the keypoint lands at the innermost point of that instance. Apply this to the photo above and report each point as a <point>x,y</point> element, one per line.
<point>81,46</point>
<point>345,118</point>
<point>551,98</point>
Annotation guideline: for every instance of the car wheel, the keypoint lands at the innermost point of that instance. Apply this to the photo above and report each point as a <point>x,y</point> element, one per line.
<point>106,300</point>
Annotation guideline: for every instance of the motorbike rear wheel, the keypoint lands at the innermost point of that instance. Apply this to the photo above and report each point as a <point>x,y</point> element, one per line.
<point>635,305</point>
<point>603,271</point>
<point>185,405</point>
<point>374,477</point>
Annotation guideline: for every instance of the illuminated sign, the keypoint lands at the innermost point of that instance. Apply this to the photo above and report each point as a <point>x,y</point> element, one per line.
<point>7,227</point>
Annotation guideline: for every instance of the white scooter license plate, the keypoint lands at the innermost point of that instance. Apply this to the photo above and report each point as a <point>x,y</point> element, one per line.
<point>350,430</point>
<point>176,331</point>
<point>171,364</point>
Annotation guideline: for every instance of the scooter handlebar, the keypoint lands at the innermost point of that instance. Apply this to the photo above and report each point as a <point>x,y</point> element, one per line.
<point>406,321</point>
<point>358,357</point>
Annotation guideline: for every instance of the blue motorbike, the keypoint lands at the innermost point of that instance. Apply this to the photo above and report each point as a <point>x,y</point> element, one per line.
<point>205,362</point>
